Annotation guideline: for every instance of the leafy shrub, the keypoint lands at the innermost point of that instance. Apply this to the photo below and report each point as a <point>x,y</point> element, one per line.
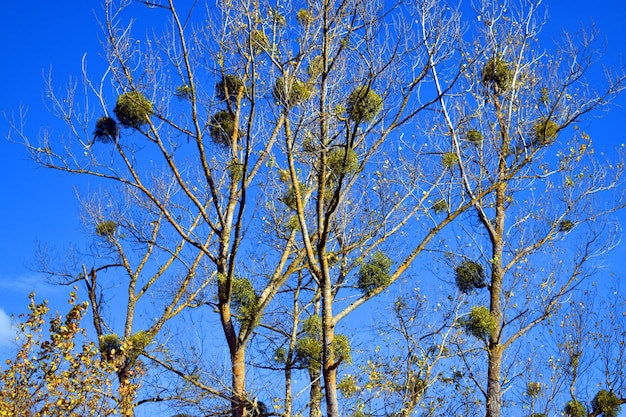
<point>106,228</point>
<point>315,66</point>
<point>290,90</point>
<point>480,322</point>
<point>106,130</point>
<point>606,403</point>
<point>137,343</point>
<point>259,41</point>
<point>342,161</point>
<point>348,386</point>
<point>449,159</point>
<point>533,389</point>
<point>235,170</point>
<point>308,348</point>
<point>110,346</point>
<point>309,352</point>
<point>375,273</point>
<point>304,17</point>
<point>474,136</point>
<point>545,131</point>
<point>222,127</point>
<point>183,92</point>
<point>566,225</point>
<point>312,326</point>
<point>575,408</point>
<point>440,206</point>
<point>228,87</point>
<point>245,301</point>
<point>363,104</point>
<point>341,347</point>
<point>469,276</point>
<point>497,75</point>
<point>133,109</point>
<point>289,197</point>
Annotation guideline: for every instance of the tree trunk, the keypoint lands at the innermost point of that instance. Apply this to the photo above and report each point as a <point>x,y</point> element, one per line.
<point>495,349</point>
<point>239,381</point>
<point>126,392</point>
<point>328,355</point>
<point>494,383</point>
<point>315,401</point>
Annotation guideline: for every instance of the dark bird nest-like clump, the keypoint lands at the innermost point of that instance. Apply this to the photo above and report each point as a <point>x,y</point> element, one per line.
<point>469,276</point>
<point>228,87</point>
<point>497,75</point>
<point>106,130</point>
<point>222,127</point>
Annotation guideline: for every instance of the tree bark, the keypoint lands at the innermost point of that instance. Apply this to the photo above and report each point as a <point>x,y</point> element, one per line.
<point>494,383</point>
<point>328,355</point>
<point>239,381</point>
<point>316,395</point>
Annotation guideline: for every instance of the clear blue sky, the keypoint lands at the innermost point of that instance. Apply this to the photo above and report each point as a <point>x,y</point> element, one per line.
<point>40,205</point>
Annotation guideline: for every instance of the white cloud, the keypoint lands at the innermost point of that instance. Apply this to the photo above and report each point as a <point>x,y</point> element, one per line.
<point>7,331</point>
<point>23,284</point>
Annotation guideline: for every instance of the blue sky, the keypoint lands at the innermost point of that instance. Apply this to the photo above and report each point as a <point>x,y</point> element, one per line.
<point>37,205</point>
<point>40,206</point>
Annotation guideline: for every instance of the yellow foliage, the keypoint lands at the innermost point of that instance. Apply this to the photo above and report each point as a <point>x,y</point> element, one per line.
<point>56,373</point>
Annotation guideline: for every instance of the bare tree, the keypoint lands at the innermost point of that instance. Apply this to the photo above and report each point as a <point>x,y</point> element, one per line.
<point>180,157</point>
<point>354,185</point>
<point>540,224</point>
<point>267,168</point>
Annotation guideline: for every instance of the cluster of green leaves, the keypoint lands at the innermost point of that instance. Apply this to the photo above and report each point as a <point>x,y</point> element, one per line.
<point>364,104</point>
<point>566,225</point>
<point>440,206</point>
<point>545,131</point>
<point>343,161</point>
<point>222,127</point>
<point>497,75</point>
<point>290,91</point>
<point>469,276</point>
<point>606,403</point>
<point>289,197</point>
<point>133,109</point>
<point>229,87</point>
<point>533,389</point>
<point>106,228</point>
<point>246,301</point>
<point>309,345</point>
<point>449,160</point>
<point>575,408</point>
<point>106,130</point>
<point>480,322</point>
<point>474,136</point>
<point>375,273</point>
